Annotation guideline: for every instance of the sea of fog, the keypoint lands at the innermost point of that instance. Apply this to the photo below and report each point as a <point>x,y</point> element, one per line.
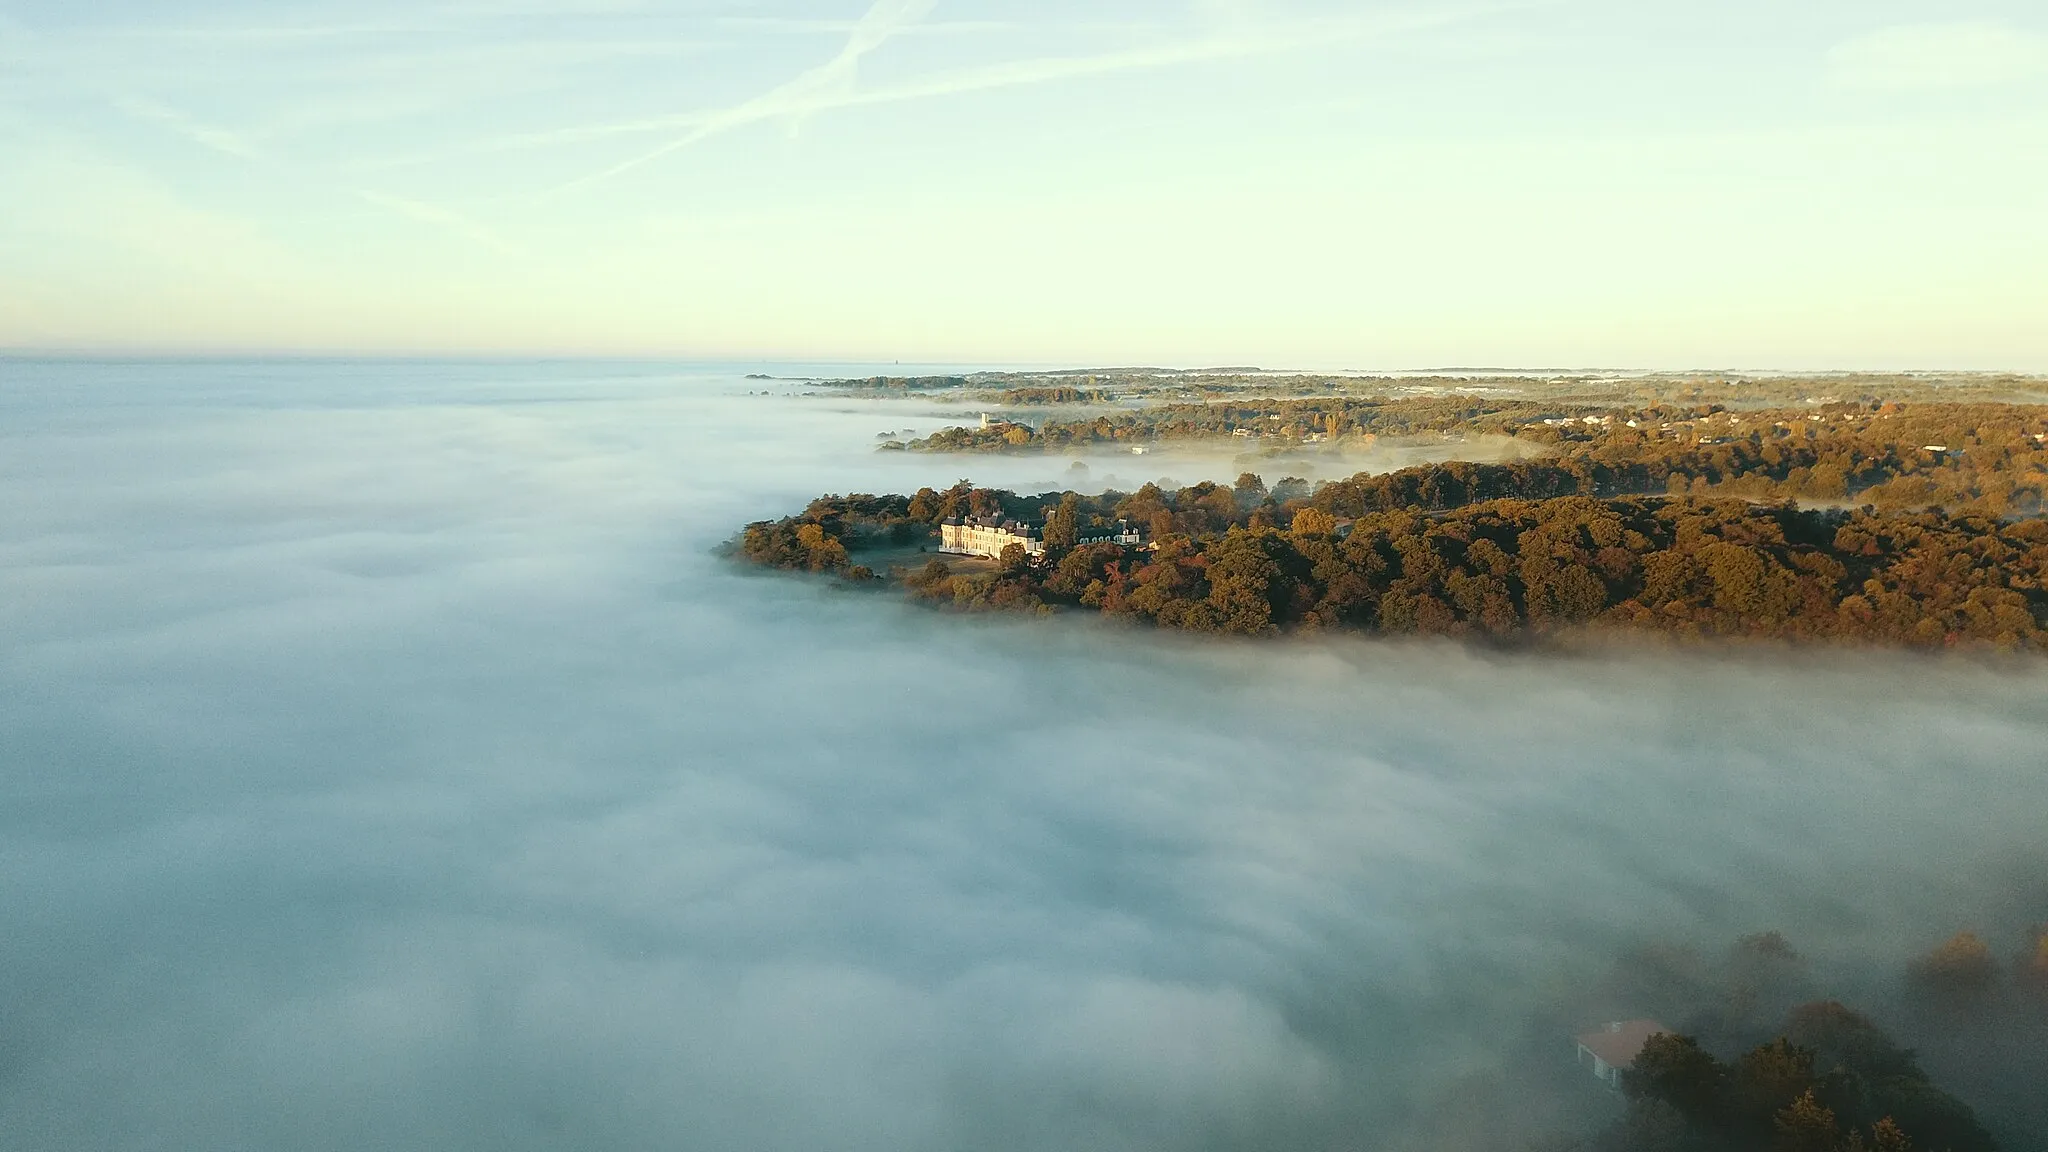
<point>387,760</point>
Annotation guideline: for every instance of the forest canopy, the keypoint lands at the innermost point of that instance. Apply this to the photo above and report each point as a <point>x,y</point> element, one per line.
<point>1504,553</point>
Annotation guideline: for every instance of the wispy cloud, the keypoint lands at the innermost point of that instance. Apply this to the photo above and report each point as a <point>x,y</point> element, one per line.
<point>21,57</point>
<point>212,137</point>
<point>231,143</point>
<point>268,32</point>
<point>797,27</point>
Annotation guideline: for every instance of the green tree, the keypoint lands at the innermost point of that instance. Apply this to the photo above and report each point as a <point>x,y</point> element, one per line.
<point>1247,586</point>
<point>1677,1071</point>
<point>1063,524</point>
<point>1290,489</point>
<point>1249,491</point>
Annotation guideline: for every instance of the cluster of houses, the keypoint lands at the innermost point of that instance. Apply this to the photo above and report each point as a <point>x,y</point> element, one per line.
<point>989,535</point>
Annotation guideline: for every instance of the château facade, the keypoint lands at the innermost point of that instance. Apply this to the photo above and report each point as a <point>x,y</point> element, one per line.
<point>989,535</point>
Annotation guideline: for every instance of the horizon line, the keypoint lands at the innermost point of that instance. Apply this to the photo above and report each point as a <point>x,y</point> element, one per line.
<point>396,355</point>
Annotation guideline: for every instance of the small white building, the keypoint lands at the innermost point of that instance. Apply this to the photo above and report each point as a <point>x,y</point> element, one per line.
<point>1611,1050</point>
<point>1122,532</point>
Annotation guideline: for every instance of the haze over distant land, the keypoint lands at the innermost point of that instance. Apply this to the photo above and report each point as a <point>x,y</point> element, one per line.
<point>1321,183</point>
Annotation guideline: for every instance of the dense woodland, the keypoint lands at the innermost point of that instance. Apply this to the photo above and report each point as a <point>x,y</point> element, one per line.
<point>1503,553</point>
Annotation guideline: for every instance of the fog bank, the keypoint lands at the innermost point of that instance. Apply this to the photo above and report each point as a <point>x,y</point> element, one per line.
<point>389,762</point>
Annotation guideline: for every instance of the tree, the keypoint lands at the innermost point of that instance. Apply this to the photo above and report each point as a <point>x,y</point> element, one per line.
<point>1247,587</point>
<point>1739,579</point>
<point>1565,593</point>
<point>1768,1077</point>
<point>1828,482</point>
<point>1650,1126</point>
<point>826,552</point>
<point>1959,972</point>
<point>935,577</point>
<point>1841,1037</point>
<point>2033,965</point>
<point>1314,522</point>
<point>1807,1125</point>
<point>1677,1071</point>
<point>1764,977</point>
<point>1063,524</point>
<point>1886,1137</point>
<point>1249,491</point>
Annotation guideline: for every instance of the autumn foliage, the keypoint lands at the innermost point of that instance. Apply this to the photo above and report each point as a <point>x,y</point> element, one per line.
<point>1460,559</point>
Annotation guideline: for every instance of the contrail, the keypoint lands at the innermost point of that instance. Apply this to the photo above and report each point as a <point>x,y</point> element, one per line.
<point>803,94</point>
<point>808,96</point>
<point>446,218</point>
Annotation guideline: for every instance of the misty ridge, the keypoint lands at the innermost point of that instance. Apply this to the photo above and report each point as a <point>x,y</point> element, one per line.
<point>392,761</point>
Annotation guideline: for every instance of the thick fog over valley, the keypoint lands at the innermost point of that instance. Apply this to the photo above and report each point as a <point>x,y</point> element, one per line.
<point>388,759</point>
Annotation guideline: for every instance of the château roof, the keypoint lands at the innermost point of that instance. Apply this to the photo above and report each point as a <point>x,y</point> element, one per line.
<point>1619,1044</point>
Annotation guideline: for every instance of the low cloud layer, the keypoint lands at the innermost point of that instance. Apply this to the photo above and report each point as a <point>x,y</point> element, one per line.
<point>389,763</point>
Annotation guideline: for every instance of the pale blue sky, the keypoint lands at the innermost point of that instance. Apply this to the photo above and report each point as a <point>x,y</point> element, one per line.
<point>1301,183</point>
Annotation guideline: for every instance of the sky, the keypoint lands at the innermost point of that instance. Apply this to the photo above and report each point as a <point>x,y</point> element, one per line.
<point>1293,183</point>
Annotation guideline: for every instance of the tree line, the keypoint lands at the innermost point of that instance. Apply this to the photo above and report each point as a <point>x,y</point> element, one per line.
<point>1292,418</point>
<point>1981,457</point>
<point>1502,553</point>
